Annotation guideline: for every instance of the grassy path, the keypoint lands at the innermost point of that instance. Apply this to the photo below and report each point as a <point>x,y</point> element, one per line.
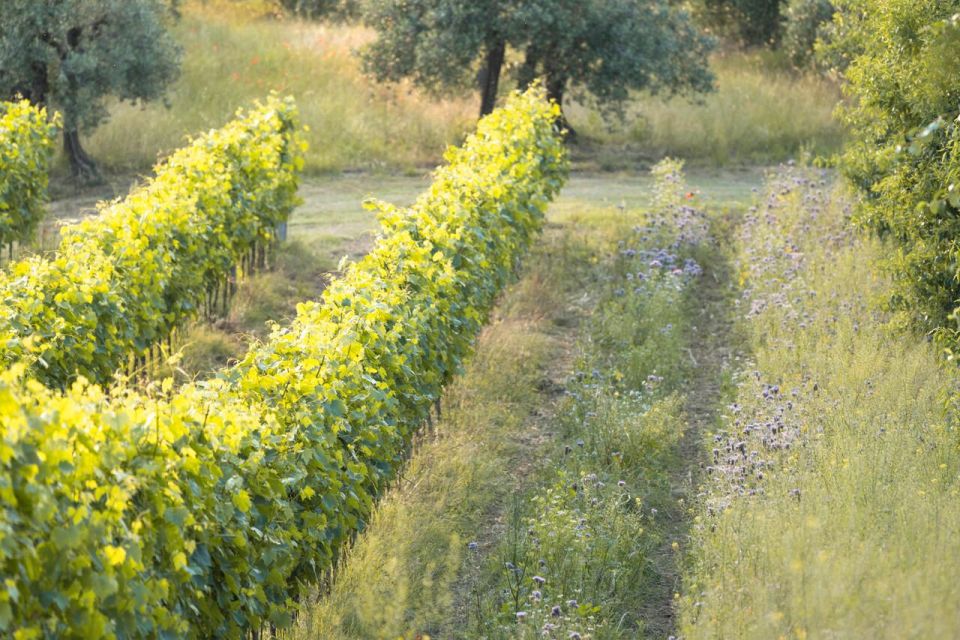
<point>485,508</point>
<point>713,356</point>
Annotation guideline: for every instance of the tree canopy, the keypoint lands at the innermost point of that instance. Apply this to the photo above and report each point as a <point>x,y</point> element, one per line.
<point>751,22</point>
<point>72,54</point>
<point>604,48</point>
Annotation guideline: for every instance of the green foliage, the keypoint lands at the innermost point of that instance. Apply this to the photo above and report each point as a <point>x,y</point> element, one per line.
<point>26,143</point>
<point>750,22</point>
<point>123,280</point>
<point>407,571</point>
<point>903,65</point>
<point>604,47</point>
<point>75,53</point>
<point>435,43</point>
<point>608,48</point>
<point>805,21</point>
<point>209,511</point>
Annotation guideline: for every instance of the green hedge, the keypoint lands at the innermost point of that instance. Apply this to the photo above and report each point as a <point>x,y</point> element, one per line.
<point>207,511</point>
<point>123,280</point>
<point>26,144</point>
<point>904,150</point>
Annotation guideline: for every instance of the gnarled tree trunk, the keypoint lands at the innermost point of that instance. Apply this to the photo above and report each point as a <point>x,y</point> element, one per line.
<point>82,165</point>
<point>556,89</point>
<point>490,77</point>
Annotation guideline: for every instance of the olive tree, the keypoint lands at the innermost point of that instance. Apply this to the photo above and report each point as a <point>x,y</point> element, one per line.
<point>604,48</point>
<point>607,48</point>
<point>436,43</point>
<point>73,54</point>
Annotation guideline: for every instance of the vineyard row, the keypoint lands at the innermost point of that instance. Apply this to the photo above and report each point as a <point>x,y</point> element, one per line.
<point>26,144</point>
<point>209,510</point>
<point>122,281</point>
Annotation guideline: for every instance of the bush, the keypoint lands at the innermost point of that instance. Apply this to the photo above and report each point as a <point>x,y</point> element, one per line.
<point>26,145</point>
<point>903,65</point>
<point>208,511</point>
<point>122,281</point>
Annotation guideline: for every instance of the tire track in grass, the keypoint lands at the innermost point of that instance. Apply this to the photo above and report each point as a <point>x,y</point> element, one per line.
<point>591,551</point>
<point>713,349</point>
<point>431,562</point>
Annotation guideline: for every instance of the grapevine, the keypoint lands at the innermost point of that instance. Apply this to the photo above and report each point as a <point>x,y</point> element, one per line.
<point>208,510</point>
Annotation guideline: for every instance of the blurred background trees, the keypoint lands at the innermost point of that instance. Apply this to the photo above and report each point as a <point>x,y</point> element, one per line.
<point>122,61</point>
<point>321,9</point>
<point>601,48</point>
<point>748,22</point>
<point>804,23</point>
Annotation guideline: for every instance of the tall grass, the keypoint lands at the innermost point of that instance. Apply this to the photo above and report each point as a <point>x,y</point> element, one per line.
<point>761,113</point>
<point>833,511</point>
<point>231,59</point>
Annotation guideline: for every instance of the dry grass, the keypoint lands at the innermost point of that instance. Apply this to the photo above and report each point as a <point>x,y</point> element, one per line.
<point>232,59</point>
<point>761,113</point>
<point>236,53</point>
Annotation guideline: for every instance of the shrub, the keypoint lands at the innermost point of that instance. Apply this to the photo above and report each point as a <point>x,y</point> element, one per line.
<point>320,9</point>
<point>804,22</point>
<point>750,22</point>
<point>903,65</point>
